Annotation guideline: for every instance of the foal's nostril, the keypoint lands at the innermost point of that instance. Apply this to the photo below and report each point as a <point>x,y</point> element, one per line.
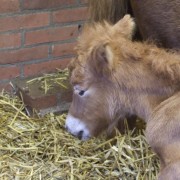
<point>80,134</point>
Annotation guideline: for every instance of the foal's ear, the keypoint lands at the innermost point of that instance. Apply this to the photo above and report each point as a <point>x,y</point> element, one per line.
<point>126,26</point>
<point>101,60</point>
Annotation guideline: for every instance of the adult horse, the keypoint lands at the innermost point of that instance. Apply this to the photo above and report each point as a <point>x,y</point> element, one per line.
<point>157,20</point>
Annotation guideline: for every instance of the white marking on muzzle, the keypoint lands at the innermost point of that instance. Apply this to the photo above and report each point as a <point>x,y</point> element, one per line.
<point>76,127</point>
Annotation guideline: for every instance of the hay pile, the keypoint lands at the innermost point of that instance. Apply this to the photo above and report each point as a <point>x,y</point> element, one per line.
<point>39,148</point>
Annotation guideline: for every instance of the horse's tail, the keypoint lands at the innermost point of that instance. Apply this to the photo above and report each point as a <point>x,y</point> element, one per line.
<point>109,10</point>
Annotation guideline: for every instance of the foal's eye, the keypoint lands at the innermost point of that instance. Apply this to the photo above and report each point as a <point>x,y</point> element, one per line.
<point>81,93</point>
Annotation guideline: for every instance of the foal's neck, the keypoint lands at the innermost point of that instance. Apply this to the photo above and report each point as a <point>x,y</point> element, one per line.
<point>146,82</point>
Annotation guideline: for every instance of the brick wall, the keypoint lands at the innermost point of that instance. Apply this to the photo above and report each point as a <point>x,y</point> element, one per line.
<point>37,36</point>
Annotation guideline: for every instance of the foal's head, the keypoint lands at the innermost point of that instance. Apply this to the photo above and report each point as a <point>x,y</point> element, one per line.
<point>95,105</point>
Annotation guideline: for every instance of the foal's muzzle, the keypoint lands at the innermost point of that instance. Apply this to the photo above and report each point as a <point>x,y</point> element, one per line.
<point>77,127</point>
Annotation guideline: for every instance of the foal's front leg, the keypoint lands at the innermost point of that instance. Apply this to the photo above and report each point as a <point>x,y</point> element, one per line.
<point>163,135</point>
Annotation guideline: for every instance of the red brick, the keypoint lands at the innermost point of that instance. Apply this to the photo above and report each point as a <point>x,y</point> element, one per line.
<point>38,103</point>
<point>10,40</point>
<point>9,6</point>
<point>46,4</point>
<point>27,54</point>
<point>57,98</point>
<point>40,68</point>
<point>51,35</point>
<point>70,15</point>
<point>9,72</point>
<point>24,21</point>
<point>63,49</point>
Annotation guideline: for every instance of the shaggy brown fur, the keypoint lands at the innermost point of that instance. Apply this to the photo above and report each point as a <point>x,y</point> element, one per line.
<point>157,20</point>
<point>119,78</point>
<point>163,134</point>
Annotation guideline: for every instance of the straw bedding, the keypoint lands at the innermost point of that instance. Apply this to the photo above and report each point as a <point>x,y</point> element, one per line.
<point>39,148</point>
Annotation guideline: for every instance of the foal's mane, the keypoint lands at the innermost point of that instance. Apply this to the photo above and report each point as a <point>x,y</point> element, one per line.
<point>166,63</point>
<point>162,62</point>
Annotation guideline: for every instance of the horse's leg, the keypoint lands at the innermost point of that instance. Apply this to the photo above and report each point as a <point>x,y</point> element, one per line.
<point>163,135</point>
<point>109,10</point>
